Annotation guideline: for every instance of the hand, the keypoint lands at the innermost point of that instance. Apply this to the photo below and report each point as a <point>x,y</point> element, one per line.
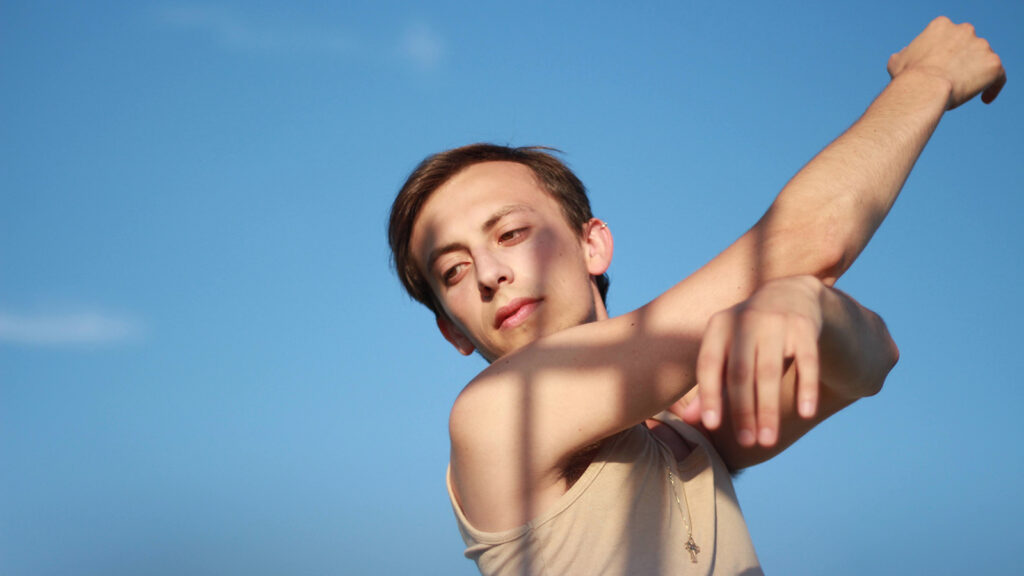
<point>748,346</point>
<point>954,53</point>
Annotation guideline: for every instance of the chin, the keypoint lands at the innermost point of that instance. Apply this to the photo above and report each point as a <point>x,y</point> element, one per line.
<point>510,345</point>
<point>527,334</point>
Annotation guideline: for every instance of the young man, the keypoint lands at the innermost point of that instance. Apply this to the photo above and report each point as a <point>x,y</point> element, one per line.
<point>567,453</point>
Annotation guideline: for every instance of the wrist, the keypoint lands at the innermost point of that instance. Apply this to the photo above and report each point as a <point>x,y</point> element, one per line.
<point>928,83</point>
<point>811,285</point>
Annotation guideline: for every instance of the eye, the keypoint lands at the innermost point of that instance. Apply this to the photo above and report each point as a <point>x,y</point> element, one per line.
<point>454,274</point>
<point>512,236</point>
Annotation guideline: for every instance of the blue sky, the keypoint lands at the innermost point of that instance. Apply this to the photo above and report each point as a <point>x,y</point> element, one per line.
<point>207,367</point>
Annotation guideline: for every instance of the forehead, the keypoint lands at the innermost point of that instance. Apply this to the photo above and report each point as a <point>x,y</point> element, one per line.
<point>470,198</point>
<point>479,183</point>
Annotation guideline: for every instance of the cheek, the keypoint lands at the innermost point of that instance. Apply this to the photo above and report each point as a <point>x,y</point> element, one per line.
<point>455,304</point>
<point>465,304</point>
<point>561,261</point>
<point>547,262</point>
<point>549,248</point>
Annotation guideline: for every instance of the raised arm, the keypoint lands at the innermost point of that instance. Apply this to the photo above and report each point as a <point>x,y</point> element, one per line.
<point>825,216</point>
<point>827,213</point>
<point>515,427</point>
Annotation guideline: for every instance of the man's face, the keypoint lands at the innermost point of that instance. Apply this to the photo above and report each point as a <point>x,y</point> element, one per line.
<point>502,260</point>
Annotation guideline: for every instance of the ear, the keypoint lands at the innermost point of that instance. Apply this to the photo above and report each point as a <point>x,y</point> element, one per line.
<point>598,246</point>
<point>454,335</point>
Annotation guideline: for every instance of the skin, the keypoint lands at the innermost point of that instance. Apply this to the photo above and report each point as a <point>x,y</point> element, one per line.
<point>941,69</point>
<point>564,375</point>
<point>491,235</point>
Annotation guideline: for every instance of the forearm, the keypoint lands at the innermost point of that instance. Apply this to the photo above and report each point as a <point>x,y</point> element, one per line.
<point>817,226</point>
<point>825,215</point>
<point>831,349</point>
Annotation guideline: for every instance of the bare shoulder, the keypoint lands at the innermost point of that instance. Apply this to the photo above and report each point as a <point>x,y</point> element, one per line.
<point>519,428</point>
<point>497,481</point>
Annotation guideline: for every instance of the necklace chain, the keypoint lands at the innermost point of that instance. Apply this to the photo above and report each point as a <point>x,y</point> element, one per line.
<point>691,545</point>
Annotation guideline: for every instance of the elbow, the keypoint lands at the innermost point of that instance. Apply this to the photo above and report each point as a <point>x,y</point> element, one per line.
<point>893,355</point>
<point>888,356</point>
<point>891,350</point>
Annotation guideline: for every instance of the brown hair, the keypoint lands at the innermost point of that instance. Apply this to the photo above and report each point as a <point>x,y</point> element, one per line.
<point>554,176</point>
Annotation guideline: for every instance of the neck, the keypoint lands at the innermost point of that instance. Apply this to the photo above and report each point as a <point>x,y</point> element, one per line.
<point>600,312</point>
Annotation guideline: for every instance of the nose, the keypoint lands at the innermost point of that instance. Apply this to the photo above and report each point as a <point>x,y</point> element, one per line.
<point>491,273</point>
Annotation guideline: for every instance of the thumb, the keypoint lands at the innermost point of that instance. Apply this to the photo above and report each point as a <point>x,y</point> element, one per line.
<point>992,91</point>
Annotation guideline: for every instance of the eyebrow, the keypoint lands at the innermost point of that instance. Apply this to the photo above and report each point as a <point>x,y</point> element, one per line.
<point>486,227</point>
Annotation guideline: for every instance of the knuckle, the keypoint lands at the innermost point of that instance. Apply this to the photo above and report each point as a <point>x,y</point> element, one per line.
<point>739,375</point>
<point>808,393</point>
<point>745,316</point>
<point>708,360</point>
<point>769,368</point>
<point>810,353</point>
<point>800,322</point>
<point>751,320</point>
<point>709,400</point>
<point>808,326</point>
<point>743,414</point>
<point>718,318</point>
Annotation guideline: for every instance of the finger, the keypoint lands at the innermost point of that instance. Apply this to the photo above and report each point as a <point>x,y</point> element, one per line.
<point>692,413</point>
<point>805,354</point>
<point>739,385</point>
<point>768,382</point>
<point>993,90</point>
<point>710,365</point>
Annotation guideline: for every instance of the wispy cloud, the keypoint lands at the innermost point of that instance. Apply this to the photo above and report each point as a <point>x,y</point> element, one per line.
<point>422,46</point>
<point>81,327</point>
<point>418,45</point>
<point>237,31</point>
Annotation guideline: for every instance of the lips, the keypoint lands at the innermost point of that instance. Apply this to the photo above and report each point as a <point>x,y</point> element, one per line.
<point>515,312</point>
